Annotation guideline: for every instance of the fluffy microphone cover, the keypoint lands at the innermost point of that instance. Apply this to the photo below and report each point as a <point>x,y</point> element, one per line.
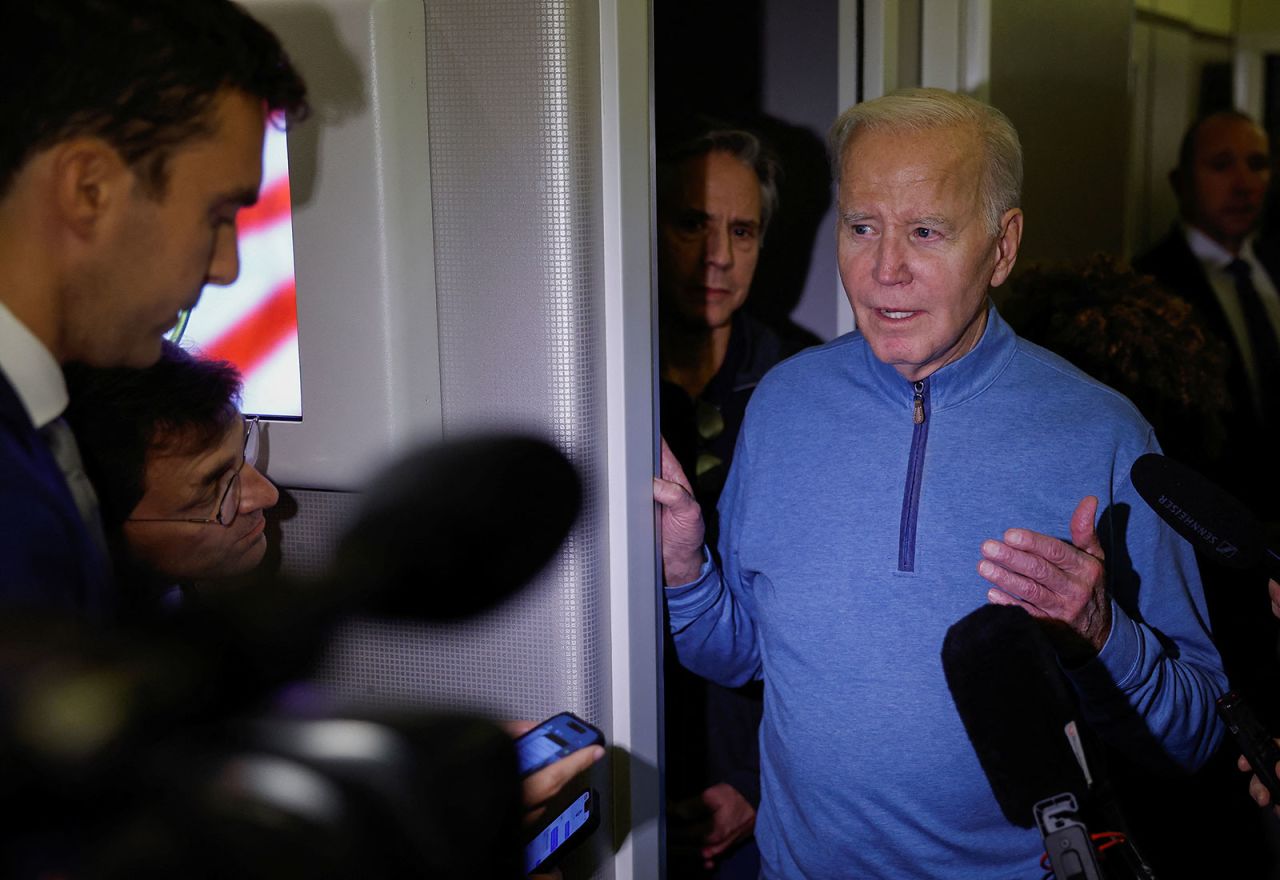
<point>1014,702</point>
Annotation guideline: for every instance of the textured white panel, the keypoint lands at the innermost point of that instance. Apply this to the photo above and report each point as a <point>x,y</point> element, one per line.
<point>310,522</point>
<point>513,106</point>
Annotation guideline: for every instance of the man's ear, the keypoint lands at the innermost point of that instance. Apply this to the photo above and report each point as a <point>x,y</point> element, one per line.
<point>1007,243</point>
<point>89,180</point>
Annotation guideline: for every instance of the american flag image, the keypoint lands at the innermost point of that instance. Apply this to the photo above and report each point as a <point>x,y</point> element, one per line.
<point>254,322</point>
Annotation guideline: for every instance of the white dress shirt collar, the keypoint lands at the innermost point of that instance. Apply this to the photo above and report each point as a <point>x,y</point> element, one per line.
<point>31,370</point>
<point>1206,250</point>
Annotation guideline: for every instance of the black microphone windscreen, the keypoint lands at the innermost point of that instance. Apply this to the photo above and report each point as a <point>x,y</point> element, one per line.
<point>456,527</point>
<point>1015,704</point>
<point>1201,512</point>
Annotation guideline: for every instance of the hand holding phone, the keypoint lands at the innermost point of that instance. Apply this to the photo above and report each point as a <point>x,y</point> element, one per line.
<point>542,786</point>
<point>575,824</point>
<point>558,737</point>
<point>549,756</point>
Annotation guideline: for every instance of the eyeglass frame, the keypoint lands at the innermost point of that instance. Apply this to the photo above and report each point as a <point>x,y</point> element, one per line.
<point>251,432</point>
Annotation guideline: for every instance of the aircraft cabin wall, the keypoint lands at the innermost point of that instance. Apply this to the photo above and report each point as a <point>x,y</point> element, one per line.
<point>471,203</point>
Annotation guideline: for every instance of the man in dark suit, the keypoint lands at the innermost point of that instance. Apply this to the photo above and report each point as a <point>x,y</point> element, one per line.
<point>133,136</point>
<point>1212,259</point>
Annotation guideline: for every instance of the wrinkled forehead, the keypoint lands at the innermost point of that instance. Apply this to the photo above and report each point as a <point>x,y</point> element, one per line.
<point>946,161</point>
<point>943,144</point>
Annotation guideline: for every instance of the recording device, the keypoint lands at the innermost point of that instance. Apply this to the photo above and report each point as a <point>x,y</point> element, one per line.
<point>558,737</point>
<point>1021,717</point>
<point>111,739</point>
<point>1066,839</point>
<point>1204,514</point>
<point>1256,744</point>
<point>562,833</point>
<point>381,797</point>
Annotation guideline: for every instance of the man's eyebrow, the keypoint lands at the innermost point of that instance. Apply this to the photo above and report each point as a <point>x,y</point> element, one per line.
<point>933,222</point>
<point>215,471</point>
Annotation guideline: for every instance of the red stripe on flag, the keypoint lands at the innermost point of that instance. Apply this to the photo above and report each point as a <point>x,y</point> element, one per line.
<point>272,207</point>
<point>254,337</point>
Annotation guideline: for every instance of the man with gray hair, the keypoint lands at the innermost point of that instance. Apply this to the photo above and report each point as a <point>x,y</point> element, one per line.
<point>887,484</point>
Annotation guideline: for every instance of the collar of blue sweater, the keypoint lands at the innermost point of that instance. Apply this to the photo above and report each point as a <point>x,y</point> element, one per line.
<point>960,380</point>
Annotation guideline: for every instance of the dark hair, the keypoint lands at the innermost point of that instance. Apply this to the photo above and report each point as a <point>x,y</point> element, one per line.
<point>745,146</point>
<point>140,74</point>
<point>1187,149</point>
<point>1127,332</point>
<point>120,414</point>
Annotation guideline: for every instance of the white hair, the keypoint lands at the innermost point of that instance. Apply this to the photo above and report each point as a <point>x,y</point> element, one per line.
<point>914,110</point>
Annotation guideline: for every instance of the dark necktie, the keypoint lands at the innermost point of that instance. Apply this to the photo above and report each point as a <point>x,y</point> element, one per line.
<point>62,443</point>
<point>1262,339</point>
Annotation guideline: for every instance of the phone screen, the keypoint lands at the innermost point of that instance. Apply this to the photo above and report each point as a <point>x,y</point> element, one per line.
<point>554,835</point>
<point>553,739</point>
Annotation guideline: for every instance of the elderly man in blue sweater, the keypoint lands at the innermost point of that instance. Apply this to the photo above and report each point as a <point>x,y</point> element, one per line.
<point>890,482</point>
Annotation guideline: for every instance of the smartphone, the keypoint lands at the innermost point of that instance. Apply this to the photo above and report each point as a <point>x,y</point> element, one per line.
<point>553,739</point>
<point>569,828</point>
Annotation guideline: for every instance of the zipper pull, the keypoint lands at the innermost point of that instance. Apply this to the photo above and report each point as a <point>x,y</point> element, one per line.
<point>917,415</point>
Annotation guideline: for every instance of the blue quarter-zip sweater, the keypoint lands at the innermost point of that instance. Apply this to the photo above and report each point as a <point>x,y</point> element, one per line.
<point>850,534</point>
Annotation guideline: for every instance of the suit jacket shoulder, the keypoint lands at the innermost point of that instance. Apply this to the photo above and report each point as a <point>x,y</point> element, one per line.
<point>1171,262</point>
<point>47,558</point>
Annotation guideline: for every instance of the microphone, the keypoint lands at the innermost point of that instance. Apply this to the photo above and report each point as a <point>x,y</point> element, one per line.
<point>1020,715</point>
<point>1225,531</point>
<point>447,532</point>
<point>1204,514</point>
<point>453,529</point>
<point>1015,705</point>
<point>118,743</point>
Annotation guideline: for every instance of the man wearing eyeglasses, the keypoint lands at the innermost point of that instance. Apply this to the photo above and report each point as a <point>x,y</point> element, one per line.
<point>173,461</point>
<point>133,135</point>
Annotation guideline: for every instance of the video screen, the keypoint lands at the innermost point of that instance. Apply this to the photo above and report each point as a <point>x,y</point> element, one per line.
<point>254,322</point>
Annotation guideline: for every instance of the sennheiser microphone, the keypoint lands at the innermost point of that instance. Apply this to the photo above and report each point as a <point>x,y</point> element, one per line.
<point>1223,530</point>
<point>1210,518</point>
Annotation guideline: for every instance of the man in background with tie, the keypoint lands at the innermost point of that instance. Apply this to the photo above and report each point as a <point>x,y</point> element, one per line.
<point>133,136</point>
<point>1212,259</point>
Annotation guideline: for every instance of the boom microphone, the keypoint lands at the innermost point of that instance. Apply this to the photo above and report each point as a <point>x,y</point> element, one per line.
<point>449,531</point>
<point>455,528</point>
<point>1213,521</point>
